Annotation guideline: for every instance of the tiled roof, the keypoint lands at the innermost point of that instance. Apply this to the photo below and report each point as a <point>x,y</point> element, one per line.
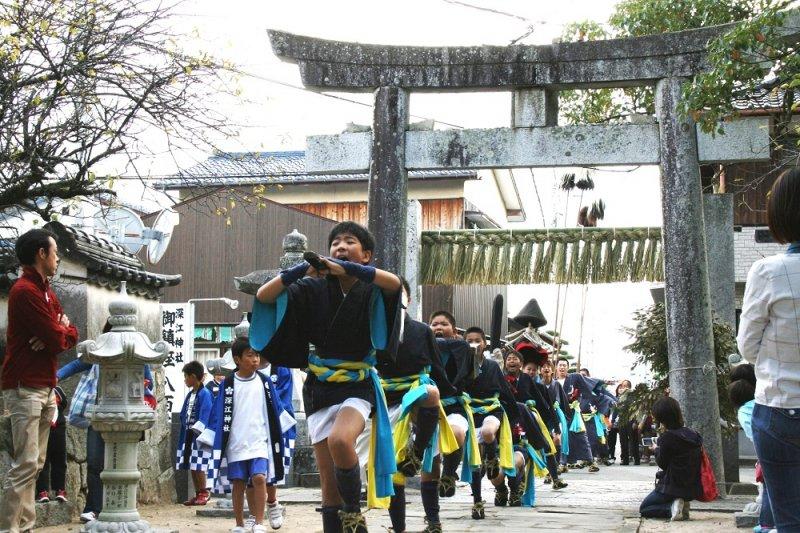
<point>286,168</point>
<point>108,263</point>
<point>763,100</point>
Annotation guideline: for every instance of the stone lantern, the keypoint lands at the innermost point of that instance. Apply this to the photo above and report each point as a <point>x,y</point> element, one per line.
<point>120,414</point>
<point>304,471</point>
<point>224,365</point>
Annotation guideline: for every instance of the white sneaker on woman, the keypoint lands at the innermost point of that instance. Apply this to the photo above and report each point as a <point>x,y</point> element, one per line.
<point>677,510</point>
<point>275,513</point>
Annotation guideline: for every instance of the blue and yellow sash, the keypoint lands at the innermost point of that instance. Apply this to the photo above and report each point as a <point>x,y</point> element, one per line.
<point>577,425</point>
<point>485,406</point>
<point>562,422</point>
<point>551,446</point>
<point>599,426</point>
<point>536,467</point>
<point>416,387</point>
<point>382,464</point>
<point>472,455</point>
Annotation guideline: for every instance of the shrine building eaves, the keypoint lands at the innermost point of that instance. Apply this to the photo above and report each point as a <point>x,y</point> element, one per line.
<point>231,169</point>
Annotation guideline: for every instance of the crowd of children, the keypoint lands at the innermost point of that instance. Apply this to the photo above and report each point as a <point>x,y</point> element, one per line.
<point>386,398</point>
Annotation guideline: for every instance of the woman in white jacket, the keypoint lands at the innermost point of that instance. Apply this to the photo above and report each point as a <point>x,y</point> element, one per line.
<point>769,337</point>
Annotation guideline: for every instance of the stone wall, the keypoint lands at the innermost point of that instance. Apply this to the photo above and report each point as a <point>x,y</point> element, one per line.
<point>87,307</point>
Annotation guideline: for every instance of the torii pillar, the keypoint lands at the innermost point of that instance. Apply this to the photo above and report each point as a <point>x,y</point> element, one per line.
<point>690,339</point>
<point>388,178</point>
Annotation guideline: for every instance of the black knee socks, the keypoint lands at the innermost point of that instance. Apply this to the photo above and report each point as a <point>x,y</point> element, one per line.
<point>397,508</point>
<point>430,500</point>
<point>490,450</point>
<point>348,480</point>
<point>427,420</point>
<point>451,461</point>
<point>331,523</point>
<point>552,467</point>
<point>476,485</point>
<point>514,481</point>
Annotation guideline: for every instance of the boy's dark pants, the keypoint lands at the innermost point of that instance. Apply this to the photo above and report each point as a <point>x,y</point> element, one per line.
<point>95,459</point>
<point>54,472</point>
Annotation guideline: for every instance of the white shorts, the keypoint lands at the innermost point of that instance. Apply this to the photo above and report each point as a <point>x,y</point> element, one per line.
<point>321,422</point>
<point>458,421</point>
<point>362,442</point>
<point>486,419</point>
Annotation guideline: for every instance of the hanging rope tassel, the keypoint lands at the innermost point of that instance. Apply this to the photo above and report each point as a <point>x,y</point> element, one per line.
<point>568,255</point>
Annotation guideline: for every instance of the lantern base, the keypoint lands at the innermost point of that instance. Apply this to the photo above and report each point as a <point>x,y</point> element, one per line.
<point>137,526</point>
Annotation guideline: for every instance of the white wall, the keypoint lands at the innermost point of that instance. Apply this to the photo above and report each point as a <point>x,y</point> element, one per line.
<point>747,251</point>
<point>485,195</point>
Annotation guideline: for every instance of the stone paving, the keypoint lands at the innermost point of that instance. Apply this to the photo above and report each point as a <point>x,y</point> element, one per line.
<point>604,502</point>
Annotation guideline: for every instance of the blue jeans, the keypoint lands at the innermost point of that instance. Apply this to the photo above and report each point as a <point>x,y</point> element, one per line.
<point>776,435</point>
<point>656,505</point>
<point>765,519</point>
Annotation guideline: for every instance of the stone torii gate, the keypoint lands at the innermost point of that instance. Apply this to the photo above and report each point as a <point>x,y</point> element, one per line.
<point>536,74</point>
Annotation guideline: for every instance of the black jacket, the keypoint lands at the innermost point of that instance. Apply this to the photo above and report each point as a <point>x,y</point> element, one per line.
<point>525,388</point>
<point>417,350</point>
<point>338,325</point>
<point>491,381</point>
<point>679,456</point>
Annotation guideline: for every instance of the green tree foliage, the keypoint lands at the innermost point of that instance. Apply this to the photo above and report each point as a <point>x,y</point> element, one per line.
<point>739,59</point>
<point>649,344</point>
<point>82,81</point>
<point>591,106</point>
<point>633,18</point>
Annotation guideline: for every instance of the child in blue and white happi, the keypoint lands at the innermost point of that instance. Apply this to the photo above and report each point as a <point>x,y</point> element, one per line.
<point>191,455</point>
<point>284,385</point>
<point>246,431</point>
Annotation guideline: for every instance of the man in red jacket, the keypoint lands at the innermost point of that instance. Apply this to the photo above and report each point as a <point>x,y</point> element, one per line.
<point>38,331</point>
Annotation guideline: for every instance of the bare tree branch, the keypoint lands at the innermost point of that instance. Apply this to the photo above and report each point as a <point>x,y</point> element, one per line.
<point>82,81</point>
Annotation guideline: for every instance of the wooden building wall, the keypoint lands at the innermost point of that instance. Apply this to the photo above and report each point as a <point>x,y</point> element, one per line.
<point>209,253</point>
<point>446,213</point>
<point>750,183</point>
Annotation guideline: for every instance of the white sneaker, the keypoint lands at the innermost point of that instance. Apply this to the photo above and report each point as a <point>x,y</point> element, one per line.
<point>259,528</point>
<point>275,512</point>
<point>250,522</point>
<point>677,510</point>
<point>88,516</point>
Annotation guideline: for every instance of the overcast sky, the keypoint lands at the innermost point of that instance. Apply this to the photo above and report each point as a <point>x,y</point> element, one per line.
<point>277,117</point>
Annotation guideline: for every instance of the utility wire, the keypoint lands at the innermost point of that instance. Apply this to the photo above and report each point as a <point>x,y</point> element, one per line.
<point>327,95</point>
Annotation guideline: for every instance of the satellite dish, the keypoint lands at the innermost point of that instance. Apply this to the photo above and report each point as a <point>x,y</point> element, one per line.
<point>123,226</point>
<point>160,235</point>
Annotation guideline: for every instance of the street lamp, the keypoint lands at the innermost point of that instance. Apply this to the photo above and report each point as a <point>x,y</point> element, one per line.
<point>233,304</point>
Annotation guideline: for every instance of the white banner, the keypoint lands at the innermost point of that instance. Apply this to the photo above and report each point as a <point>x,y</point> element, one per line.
<point>177,330</point>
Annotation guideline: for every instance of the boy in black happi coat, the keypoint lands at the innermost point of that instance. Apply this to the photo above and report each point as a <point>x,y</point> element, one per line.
<point>349,311</point>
